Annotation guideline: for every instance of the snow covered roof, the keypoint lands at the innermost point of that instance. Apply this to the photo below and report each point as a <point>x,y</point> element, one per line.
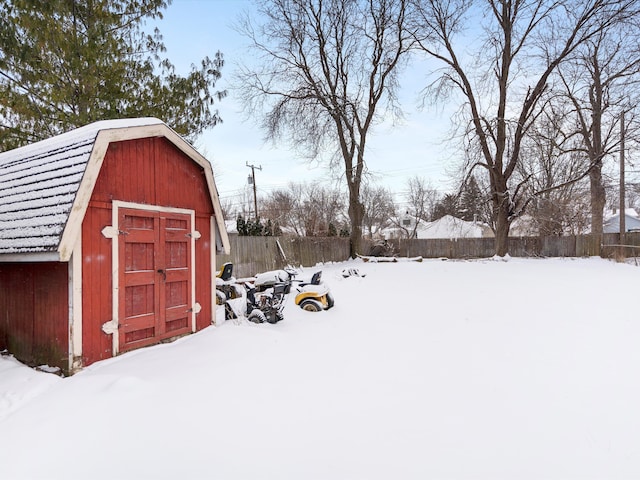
<point>43,184</point>
<point>612,221</point>
<point>452,227</point>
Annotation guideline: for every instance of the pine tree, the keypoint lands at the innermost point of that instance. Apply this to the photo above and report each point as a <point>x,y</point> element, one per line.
<point>66,63</point>
<point>471,201</point>
<point>254,228</point>
<point>449,205</point>
<point>241,226</point>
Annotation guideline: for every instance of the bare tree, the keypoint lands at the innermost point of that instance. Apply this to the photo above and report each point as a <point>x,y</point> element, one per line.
<point>420,200</point>
<point>321,207</point>
<point>553,169</point>
<point>281,207</point>
<point>327,68</point>
<point>228,209</point>
<point>601,82</point>
<point>504,78</point>
<point>633,196</point>
<point>304,209</point>
<point>379,209</point>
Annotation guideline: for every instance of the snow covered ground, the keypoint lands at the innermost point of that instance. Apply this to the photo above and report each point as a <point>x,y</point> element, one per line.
<point>524,369</point>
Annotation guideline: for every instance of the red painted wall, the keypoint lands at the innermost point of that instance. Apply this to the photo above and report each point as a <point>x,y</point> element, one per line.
<point>149,171</point>
<point>34,314</point>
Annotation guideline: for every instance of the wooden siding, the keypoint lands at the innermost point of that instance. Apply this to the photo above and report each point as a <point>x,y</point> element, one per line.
<point>34,315</point>
<point>150,171</point>
<point>97,287</point>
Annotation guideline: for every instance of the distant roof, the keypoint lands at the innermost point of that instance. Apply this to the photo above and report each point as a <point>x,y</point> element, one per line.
<point>451,227</point>
<point>39,183</point>
<point>611,222</point>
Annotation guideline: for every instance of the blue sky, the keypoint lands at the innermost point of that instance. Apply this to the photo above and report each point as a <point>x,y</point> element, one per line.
<point>195,28</point>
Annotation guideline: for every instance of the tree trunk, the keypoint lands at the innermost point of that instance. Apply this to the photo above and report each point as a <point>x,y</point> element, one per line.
<point>502,229</point>
<point>356,215</point>
<point>501,201</point>
<point>598,199</point>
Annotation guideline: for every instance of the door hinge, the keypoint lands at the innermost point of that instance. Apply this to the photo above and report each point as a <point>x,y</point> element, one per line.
<point>110,327</point>
<point>196,308</point>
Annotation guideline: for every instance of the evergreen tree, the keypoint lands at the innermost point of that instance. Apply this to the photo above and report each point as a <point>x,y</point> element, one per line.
<point>255,228</point>
<point>67,63</point>
<point>449,205</point>
<point>471,201</point>
<point>241,226</point>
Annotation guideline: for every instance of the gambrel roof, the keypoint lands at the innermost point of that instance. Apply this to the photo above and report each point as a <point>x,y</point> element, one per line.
<point>45,187</point>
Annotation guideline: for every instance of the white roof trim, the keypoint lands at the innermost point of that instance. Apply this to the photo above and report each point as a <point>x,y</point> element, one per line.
<point>29,257</point>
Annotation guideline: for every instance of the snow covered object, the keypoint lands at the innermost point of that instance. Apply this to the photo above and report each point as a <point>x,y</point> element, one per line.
<point>314,295</point>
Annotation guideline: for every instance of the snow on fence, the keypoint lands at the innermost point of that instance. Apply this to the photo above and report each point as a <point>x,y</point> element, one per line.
<point>251,255</point>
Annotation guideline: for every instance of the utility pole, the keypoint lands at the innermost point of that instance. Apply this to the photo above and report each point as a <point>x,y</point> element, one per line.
<point>252,181</point>
<point>623,227</point>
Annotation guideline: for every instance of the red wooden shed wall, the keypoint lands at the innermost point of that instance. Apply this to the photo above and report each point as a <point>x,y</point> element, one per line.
<point>34,312</point>
<point>149,171</point>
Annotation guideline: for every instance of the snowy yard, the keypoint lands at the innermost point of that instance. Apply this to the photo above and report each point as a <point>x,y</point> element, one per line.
<point>524,369</point>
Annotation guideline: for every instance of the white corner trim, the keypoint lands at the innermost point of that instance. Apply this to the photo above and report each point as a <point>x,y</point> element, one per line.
<point>111,327</point>
<point>212,262</point>
<point>196,306</point>
<point>75,307</point>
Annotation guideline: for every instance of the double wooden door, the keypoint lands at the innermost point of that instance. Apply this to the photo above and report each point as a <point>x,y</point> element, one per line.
<point>155,291</point>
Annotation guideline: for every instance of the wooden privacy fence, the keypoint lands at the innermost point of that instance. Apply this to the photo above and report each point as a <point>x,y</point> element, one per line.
<point>251,255</point>
<point>607,245</point>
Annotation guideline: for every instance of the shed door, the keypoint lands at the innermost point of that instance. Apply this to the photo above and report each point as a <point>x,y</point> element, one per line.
<point>154,276</point>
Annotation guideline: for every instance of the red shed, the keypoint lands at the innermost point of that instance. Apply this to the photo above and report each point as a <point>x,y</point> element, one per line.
<point>108,236</point>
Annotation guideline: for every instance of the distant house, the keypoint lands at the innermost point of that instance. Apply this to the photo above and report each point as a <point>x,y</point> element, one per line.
<point>524,226</point>
<point>108,236</point>
<point>611,223</point>
<point>452,227</point>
